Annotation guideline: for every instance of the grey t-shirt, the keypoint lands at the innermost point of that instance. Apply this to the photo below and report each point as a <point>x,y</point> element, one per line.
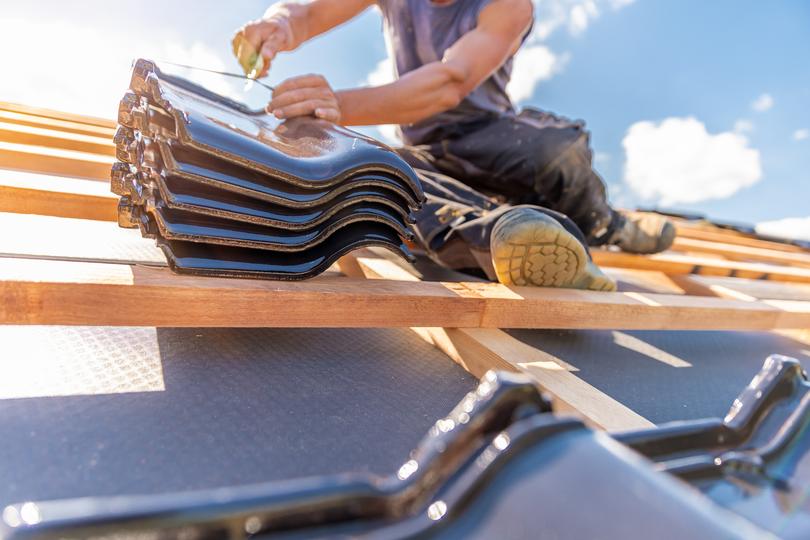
<point>418,33</point>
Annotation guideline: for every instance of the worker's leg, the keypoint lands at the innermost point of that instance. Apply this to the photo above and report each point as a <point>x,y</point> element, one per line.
<point>450,204</point>
<point>463,229</point>
<point>533,158</point>
<point>542,159</point>
<point>438,184</point>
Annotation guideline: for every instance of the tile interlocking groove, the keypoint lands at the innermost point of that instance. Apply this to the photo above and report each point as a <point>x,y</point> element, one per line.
<point>227,191</point>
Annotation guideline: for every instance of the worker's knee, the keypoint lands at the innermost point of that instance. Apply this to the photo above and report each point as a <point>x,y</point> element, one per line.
<point>573,154</point>
<point>571,166</point>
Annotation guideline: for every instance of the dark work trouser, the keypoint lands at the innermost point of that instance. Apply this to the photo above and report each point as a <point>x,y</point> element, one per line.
<point>455,223</point>
<point>478,170</point>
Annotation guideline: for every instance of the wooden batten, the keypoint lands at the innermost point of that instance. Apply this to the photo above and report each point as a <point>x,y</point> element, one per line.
<point>57,115</point>
<point>65,126</point>
<point>52,138</point>
<point>711,233</point>
<point>743,253</point>
<point>42,199</point>
<point>670,263</point>
<point>55,161</point>
<point>80,293</point>
<point>49,195</point>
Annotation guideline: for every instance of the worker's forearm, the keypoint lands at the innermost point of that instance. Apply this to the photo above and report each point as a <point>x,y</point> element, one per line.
<point>297,16</point>
<point>310,19</point>
<point>418,95</point>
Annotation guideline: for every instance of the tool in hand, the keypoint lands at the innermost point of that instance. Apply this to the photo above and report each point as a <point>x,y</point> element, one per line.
<point>249,58</point>
<point>249,81</point>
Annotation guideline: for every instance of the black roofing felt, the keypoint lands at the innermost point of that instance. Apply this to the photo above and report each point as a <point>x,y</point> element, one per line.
<point>722,363</point>
<point>240,406</point>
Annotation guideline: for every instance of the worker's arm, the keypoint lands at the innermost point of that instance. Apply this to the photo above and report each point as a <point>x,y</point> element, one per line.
<point>424,92</point>
<point>286,25</point>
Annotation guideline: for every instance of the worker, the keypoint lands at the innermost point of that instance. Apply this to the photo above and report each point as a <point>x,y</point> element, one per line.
<point>512,194</point>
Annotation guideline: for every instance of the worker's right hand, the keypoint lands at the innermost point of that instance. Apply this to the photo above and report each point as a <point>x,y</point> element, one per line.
<point>266,37</point>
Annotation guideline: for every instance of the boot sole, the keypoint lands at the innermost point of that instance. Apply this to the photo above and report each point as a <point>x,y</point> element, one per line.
<point>530,248</point>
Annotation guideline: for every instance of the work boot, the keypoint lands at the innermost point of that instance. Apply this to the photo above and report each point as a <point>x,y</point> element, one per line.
<point>644,233</point>
<point>531,248</point>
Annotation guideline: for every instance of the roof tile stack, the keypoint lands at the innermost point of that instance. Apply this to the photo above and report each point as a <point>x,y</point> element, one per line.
<point>229,191</point>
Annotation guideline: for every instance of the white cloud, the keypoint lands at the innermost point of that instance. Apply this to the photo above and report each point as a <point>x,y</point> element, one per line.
<point>801,134</point>
<point>581,16</point>
<point>795,228</point>
<point>678,161</point>
<point>763,103</point>
<point>743,126</point>
<point>93,72</point>
<point>575,15</point>
<point>619,196</point>
<point>533,64</point>
<point>384,73</point>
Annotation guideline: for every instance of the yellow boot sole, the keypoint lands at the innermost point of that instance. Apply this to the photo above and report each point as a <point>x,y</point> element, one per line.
<point>530,248</point>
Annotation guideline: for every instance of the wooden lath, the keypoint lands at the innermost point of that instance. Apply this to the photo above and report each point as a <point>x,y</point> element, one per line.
<point>758,289</point>
<point>736,252</point>
<point>723,236</point>
<point>65,126</point>
<point>42,112</point>
<point>55,161</point>
<point>671,263</point>
<point>80,293</point>
<point>54,138</point>
<point>69,200</point>
<point>26,193</point>
<point>708,250</point>
<point>48,142</point>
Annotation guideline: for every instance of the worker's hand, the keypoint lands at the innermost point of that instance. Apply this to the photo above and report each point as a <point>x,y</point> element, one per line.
<point>307,95</point>
<point>266,37</point>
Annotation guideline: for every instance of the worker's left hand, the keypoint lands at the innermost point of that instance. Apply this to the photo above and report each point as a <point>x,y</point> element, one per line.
<point>307,95</point>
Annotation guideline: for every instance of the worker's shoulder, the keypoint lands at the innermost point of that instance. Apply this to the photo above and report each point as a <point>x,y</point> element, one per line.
<point>519,11</point>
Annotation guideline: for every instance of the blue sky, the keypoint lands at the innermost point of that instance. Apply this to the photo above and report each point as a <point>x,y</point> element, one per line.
<point>668,88</point>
